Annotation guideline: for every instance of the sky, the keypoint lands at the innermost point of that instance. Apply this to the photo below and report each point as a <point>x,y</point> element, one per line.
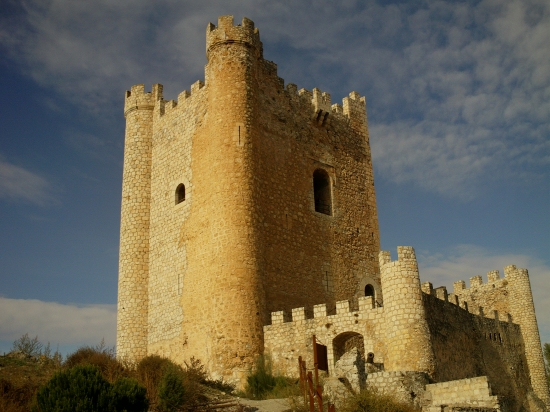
<point>458,101</point>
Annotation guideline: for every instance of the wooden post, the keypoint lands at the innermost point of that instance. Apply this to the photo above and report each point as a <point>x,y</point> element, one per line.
<point>303,379</point>
<point>310,387</point>
<point>318,388</point>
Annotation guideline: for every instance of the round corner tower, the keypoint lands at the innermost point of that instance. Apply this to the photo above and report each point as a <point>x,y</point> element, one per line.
<point>223,300</point>
<point>134,223</point>
<point>522,309</point>
<point>407,334</point>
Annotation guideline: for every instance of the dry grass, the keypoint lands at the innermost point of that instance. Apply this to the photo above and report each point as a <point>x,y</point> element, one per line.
<point>21,375</point>
<point>20,379</point>
<point>372,401</point>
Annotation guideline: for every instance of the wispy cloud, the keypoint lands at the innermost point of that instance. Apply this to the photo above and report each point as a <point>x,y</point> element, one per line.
<point>57,323</point>
<point>465,261</point>
<point>458,93</point>
<point>20,184</point>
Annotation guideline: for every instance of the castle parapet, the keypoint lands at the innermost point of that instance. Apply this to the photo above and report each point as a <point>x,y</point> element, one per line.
<point>226,32</point>
<point>365,302</point>
<point>320,311</point>
<point>441,293</point>
<point>298,314</point>
<point>166,106</point>
<point>138,99</point>
<point>342,307</point>
<point>476,281</point>
<point>353,107</point>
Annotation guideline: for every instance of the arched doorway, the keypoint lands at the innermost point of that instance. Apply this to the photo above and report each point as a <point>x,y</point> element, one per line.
<point>369,290</point>
<point>348,350</point>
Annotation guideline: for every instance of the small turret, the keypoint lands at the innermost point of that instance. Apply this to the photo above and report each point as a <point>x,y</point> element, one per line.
<point>522,310</point>
<point>407,334</point>
<point>226,32</point>
<point>134,223</point>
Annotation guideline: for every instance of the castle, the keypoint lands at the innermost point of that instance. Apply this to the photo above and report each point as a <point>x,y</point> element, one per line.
<point>249,224</point>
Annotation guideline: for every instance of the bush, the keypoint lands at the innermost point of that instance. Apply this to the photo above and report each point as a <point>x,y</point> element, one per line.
<point>262,384</point>
<point>101,357</point>
<point>171,391</point>
<point>80,389</point>
<point>27,346</point>
<point>161,377</point>
<point>129,395</point>
<point>149,373</point>
<point>369,400</point>
<point>84,389</point>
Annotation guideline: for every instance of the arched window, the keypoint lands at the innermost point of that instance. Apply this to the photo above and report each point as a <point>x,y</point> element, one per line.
<point>321,192</point>
<point>369,290</point>
<point>180,193</point>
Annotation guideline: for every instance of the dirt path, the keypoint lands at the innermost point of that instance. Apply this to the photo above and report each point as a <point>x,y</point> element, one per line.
<point>269,405</point>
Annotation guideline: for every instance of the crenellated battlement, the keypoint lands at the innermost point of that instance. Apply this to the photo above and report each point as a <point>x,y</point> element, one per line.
<point>227,32</point>
<point>137,99</point>
<point>493,280</point>
<point>165,106</point>
<point>471,307</point>
<point>404,254</point>
<point>321,311</point>
<point>353,107</point>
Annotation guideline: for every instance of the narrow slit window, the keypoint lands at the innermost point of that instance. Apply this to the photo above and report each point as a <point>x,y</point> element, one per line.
<point>180,193</point>
<point>322,192</point>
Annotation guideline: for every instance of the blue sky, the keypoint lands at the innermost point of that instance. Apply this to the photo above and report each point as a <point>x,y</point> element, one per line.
<point>458,99</point>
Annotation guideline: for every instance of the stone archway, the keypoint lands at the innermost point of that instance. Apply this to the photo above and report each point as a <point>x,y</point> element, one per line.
<point>348,350</point>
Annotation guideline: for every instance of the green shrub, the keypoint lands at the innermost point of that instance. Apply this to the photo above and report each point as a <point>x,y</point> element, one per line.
<point>149,373</point>
<point>84,389</point>
<point>129,395</point>
<point>171,391</point>
<point>369,400</point>
<point>159,374</point>
<point>262,384</point>
<point>80,389</point>
<point>101,357</point>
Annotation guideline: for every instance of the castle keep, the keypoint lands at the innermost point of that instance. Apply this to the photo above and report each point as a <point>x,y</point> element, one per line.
<point>249,224</point>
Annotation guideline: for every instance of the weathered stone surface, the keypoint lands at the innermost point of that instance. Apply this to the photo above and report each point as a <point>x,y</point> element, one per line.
<point>249,224</point>
<point>254,234</point>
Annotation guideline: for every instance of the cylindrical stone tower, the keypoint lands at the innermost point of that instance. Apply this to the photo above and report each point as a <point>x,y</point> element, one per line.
<point>407,335</point>
<point>224,307</point>
<point>522,310</point>
<point>134,223</point>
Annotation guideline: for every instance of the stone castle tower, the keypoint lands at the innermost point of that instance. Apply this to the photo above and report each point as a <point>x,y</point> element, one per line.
<point>241,198</point>
<point>249,224</point>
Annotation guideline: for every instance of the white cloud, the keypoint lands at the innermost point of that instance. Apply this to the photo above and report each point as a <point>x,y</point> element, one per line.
<point>17,183</point>
<point>466,261</point>
<point>458,94</point>
<point>63,324</point>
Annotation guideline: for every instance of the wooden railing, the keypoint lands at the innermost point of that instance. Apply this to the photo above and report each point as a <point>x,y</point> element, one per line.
<point>307,384</point>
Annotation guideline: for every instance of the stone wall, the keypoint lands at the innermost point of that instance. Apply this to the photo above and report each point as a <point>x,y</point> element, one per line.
<point>404,386</point>
<point>460,341</point>
<point>469,341</point>
<point>507,299</point>
<point>287,339</point>
<point>246,148</point>
<point>175,125</point>
<point>465,394</point>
